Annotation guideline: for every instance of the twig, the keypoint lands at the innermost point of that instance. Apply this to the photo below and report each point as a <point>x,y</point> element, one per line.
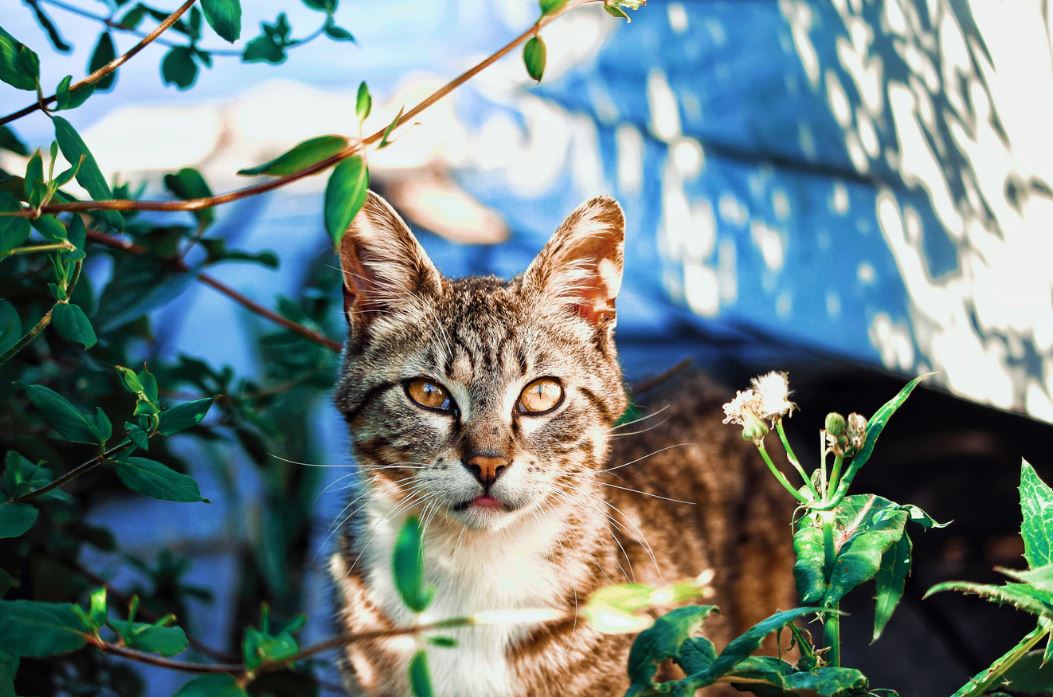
<point>74,473</point>
<point>109,67</point>
<point>216,284</point>
<point>195,204</point>
<point>653,381</point>
<point>45,320</point>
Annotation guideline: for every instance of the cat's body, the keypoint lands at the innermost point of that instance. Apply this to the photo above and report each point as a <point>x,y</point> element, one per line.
<point>527,507</point>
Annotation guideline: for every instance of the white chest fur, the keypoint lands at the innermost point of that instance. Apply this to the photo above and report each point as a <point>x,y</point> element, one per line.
<point>477,572</point>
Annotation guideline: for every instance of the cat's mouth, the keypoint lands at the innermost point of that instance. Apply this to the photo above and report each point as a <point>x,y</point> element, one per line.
<point>483,502</point>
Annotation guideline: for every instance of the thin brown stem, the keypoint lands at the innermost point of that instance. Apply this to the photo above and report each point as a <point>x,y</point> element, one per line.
<point>75,472</point>
<point>195,204</point>
<point>216,284</point>
<point>109,67</point>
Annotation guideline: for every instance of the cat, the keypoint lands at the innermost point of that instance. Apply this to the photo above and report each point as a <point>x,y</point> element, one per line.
<point>488,408</point>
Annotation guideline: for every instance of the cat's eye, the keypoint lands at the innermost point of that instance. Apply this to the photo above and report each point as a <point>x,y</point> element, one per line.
<point>429,394</point>
<point>540,397</point>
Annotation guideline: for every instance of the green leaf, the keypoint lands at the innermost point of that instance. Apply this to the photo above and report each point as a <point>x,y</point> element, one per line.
<point>137,436</point>
<point>188,184</point>
<point>71,100</point>
<point>38,630</point>
<point>218,685</point>
<point>534,56</point>
<point>750,640</point>
<point>875,425</point>
<point>619,609</point>
<point>16,519</point>
<point>139,285</point>
<point>1041,577</point>
<point>216,251</point>
<point>1019,595</point>
<point>384,142</point>
<point>550,6</point>
<point>300,157</point>
<point>616,12</point>
<point>327,6</point>
<point>344,195</point>
<point>224,16</point>
<point>73,325</point>
<point>443,642</point>
<point>19,66</point>
<point>178,67</point>
<point>71,423</point>
<point>184,416</point>
<point>920,517</point>
<point>408,564</point>
<point>419,676</point>
<point>151,478</point>
<point>152,638</point>
<point>890,581</point>
<point>104,52</point>
<point>134,17</point>
<point>822,682</point>
<point>1036,507</point>
<point>808,569</point>
<point>50,227</point>
<point>363,102</point>
<point>664,640</point>
<point>9,141</point>
<point>33,185</point>
<point>337,33</point>
<point>89,175</point>
<point>263,49</point>
<point>10,326</point>
<point>876,529</point>
<point>49,28</point>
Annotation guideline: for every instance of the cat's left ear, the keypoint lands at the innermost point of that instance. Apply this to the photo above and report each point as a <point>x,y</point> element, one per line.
<point>581,266</point>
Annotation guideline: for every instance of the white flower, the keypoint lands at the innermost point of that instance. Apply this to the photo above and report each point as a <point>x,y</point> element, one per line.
<point>773,391</point>
<point>745,406</point>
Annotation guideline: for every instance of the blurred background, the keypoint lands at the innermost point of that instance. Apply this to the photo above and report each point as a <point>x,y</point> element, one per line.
<point>857,191</point>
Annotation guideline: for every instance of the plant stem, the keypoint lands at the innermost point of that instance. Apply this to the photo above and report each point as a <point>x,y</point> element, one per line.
<point>983,681</point>
<point>831,620</point>
<point>195,204</point>
<point>779,475</point>
<point>109,67</point>
<point>29,336</point>
<point>792,457</point>
<point>75,472</point>
<point>835,473</point>
<point>30,249</point>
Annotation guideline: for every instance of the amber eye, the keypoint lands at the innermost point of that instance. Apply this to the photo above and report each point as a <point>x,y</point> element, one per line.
<point>541,396</point>
<point>429,395</point>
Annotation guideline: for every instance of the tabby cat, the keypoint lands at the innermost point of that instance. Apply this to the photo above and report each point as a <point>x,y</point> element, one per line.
<point>488,409</point>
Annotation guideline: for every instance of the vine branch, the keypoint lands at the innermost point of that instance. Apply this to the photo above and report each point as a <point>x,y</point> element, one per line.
<point>108,68</point>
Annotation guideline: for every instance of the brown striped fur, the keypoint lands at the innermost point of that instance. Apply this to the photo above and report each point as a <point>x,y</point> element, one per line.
<point>578,515</point>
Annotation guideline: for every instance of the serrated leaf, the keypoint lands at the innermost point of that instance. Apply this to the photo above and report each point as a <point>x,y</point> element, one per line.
<point>89,175</point>
<point>104,52</point>
<point>184,416</point>
<point>419,676</point>
<point>299,157</point>
<point>16,519</point>
<point>1036,508</point>
<point>534,57</point>
<point>224,16</point>
<point>1041,577</point>
<point>38,630</point>
<point>19,66</point>
<point>408,567</point>
<point>664,640</point>
<point>73,325</point>
<point>344,195</point>
<point>154,479</point>
<point>71,423</point>
<point>10,326</point>
<point>890,581</point>
<point>219,685</point>
<point>1019,595</point>
<point>363,101</point>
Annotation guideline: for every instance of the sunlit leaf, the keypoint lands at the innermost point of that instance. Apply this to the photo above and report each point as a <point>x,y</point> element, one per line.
<point>344,195</point>
<point>1036,507</point>
<point>408,565</point>
<point>534,57</point>
<point>300,157</point>
<point>550,6</point>
<point>419,676</point>
<point>19,66</point>
<point>363,101</point>
<point>152,638</point>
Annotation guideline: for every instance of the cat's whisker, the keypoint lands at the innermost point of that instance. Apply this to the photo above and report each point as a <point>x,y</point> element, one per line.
<point>639,419</point>
<point>646,493</point>
<point>309,464</point>
<point>644,457</point>
<point>642,430</point>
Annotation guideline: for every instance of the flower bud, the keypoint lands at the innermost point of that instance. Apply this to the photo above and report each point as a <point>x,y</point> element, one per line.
<point>754,429</point>
<point>835,424</point>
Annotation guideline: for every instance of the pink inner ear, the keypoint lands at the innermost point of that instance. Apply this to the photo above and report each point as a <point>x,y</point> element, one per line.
<point>597,293</point>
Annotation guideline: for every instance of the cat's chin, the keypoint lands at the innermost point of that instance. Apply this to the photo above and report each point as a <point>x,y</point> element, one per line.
<point>485,513</point>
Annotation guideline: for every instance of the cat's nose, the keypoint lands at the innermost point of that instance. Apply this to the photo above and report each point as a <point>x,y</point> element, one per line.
<point>487,466</point>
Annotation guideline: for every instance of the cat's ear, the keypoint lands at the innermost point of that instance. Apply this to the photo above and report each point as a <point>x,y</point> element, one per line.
<point>581,266</point>
<point>383,265</point>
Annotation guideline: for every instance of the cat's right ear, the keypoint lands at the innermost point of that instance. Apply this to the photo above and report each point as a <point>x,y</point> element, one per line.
<point>383,265</point>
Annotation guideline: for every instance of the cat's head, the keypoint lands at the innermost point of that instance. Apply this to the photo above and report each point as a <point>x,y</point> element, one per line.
<point>477,399</point>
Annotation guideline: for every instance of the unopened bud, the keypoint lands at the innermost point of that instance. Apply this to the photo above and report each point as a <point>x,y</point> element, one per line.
<point>754,429</point>
<point>835,424</point>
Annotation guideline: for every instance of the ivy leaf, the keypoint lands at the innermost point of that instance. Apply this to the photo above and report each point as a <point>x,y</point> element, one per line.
<point>152,638</point>
<point>218,685</point>
<point>38,630</point>
<point>16,519</point>
<point>664,640</point>
<point>71,423</point>
<point>408,564</point>
<point>64,99</point>
<point>188,184</point>
<point>344,195</point>
<point>299,157</point>
<point>1036,508</point>
<point>419,676</point>
<point>104,52</point>
<point>151,478</point>
<point>73,325</point>
<point>19,66</point>
<point>89,175</point>
<point>224,16</point>
<point>10,326</point>
<point>890,581</point>
<point>184,416</point>
<point>178,67</point>
<point>534,56</point>
<point>363,101</point>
